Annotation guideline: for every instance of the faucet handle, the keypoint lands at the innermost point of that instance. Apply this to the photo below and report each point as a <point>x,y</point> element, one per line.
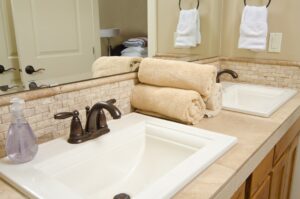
<point>64,115</point>
<point>77,134</point>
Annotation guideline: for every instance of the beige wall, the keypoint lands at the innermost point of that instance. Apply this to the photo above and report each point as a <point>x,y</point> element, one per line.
<point>168,12</point>
<point>128,15</point>
<point>284,17</point>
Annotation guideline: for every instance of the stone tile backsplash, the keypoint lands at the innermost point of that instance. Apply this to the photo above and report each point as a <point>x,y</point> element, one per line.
<point>273,75</point>
<point>39,113</point>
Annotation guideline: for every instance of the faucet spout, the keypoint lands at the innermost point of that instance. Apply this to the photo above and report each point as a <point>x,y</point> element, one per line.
<point>228,71</point>
<point>96,120</point>
<point>111,108</point>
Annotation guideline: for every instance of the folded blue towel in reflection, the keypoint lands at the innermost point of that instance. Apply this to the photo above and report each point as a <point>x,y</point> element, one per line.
<point>136,42</point>
<point>135,52</point>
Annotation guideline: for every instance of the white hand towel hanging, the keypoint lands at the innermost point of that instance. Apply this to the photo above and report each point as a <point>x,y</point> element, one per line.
<point>254,28</point>
<point>188,29</point>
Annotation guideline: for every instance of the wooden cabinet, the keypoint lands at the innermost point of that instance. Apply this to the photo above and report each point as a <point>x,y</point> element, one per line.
<point>282,172</point>
<point>273,176</point>
<point>264,190</point>
<point>260,174</point>
<point>240,193</point>
<point>291,156</point>
<point>278,183</point>
<point>282,146</point>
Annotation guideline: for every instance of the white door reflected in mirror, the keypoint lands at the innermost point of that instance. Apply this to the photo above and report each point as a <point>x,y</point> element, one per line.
<point>58,37</point>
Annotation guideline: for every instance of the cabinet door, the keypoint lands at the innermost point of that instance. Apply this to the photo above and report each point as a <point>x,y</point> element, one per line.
<point>290,167</point>
<point>240,193</point>
<point>282,146</point>
<point>61,37</point>
<point>261,172</point>
<point>263,191</point>
<point>279,174</point>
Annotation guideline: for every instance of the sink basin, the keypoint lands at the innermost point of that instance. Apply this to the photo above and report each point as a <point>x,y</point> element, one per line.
<point>254,99</point>
<point>142,156</point>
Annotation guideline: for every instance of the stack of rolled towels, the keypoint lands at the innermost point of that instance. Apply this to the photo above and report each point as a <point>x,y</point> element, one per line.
<point>136,47</point>
<point>176,90</point>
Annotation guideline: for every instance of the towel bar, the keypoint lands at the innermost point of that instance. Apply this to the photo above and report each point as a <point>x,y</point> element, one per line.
<point>197,4</point>
<point>245,2</point>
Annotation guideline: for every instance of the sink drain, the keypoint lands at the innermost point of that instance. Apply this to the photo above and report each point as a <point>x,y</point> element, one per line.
<point>122,196</point>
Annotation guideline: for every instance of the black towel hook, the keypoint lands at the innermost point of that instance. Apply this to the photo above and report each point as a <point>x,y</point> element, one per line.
<point>245,2</point>
<point>197,4</point>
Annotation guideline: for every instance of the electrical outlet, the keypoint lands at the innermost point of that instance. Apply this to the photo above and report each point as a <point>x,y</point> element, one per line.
<point>275,42</point>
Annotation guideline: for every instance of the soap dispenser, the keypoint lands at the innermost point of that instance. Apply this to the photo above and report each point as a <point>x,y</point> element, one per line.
<point>21,144</point>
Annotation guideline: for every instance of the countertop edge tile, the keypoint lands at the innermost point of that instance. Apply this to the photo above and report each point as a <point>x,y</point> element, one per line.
<point>242,174</point>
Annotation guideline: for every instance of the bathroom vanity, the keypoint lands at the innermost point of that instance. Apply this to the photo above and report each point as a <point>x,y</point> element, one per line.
<point>272,178</point>
<point>253,166</point>
<point>265,151</point>
<point>258,166</point>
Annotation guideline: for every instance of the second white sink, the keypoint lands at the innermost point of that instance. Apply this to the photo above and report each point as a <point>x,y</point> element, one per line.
<point>254,99</point>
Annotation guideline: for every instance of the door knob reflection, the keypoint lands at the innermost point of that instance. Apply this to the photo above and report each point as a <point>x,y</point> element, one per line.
<point>30,70</point>
<point>3,70</point>
<point>34,86</point>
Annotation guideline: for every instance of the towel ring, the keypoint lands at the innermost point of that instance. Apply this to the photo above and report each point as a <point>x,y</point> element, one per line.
<point>245,2</point>
<point>197,4</point>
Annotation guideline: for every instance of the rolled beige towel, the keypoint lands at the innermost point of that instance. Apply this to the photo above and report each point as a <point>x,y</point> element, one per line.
<point>105,66</point>
<point>178,74</point>
<point>186,106</point>
<point>214,102</point>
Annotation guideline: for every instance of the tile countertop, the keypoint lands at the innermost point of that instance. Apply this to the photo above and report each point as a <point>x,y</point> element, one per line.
<point>256,137</point>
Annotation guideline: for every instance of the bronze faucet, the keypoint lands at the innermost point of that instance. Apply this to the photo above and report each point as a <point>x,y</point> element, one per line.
<point>228,71</point>
<point>96,124</point>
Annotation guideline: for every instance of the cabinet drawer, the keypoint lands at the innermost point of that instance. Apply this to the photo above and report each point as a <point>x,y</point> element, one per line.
<point>264,191</point>
<point>286,140</point>
<point>261,173</point>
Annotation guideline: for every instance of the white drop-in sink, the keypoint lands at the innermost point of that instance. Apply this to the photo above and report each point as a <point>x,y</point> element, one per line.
<point>142,156</point>
<point>254,99</point>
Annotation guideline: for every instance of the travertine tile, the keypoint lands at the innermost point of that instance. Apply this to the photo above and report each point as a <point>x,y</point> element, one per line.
<point>211,180</point>
<point>263,73</point>
<point>6,191</point>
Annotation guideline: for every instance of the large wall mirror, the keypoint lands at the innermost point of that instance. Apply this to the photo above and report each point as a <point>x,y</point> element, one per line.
<point>46,43</point>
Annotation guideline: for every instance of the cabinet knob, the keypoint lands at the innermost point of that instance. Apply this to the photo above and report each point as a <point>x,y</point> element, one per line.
<point>30,70</point>
<point>34,86</point>
<point>3,70</point>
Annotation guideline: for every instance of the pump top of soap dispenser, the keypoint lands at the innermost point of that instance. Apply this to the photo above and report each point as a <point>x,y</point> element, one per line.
<point>17,110</point>
<point>17,104</point>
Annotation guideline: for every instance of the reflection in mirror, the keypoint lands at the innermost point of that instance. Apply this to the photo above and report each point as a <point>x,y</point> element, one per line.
<point>52,42</point>
<point>57,41</point>
<point>9,65</point>
<point>210,24</point>
<point>47,43</point>
<point>121,21</point>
